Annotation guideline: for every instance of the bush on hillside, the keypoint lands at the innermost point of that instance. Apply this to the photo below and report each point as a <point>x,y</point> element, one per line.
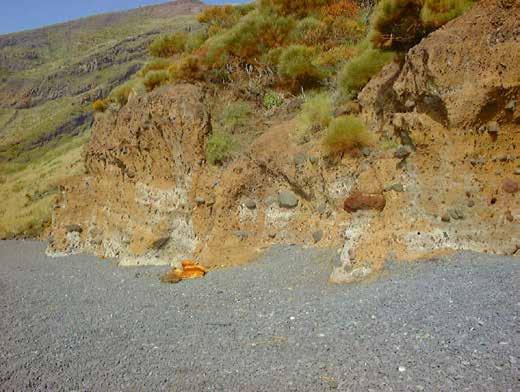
<point>100,105</point>
<point>154,65</point>
<point>186,68</point>
<point>309,31</point>
<point>292,7</point>
<point>121,93</point>
<point>344,134</point>
<point>167,46</point>
<point>154,79</point>
<point>342,8</point>
<point>436,13</point>
<point>224,16</point>
<point>401,24</point>
<point>296,66</point>
<point>219,148</point>
<point>336,55</point>
<point>252,36</point>
<point>196,40</point>
<point>235,115</point>
<point>316,113</point>
<point>358,71</point>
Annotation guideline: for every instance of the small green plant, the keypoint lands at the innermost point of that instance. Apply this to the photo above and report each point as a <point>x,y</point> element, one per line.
<point>235,115</point>
<point>344,134</point>
<point>307,31</point>
<point>316,113</point>
<point>272,100</point>
<point>121,93</point>
<point>154,79</point>
<point>167,46</point>
<point>219,148</point>
<point>358,71</point>
<point>296,65</point>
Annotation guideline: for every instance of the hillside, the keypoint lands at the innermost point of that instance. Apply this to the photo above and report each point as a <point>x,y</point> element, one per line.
<point>49,78</point>
<point>339,124</point>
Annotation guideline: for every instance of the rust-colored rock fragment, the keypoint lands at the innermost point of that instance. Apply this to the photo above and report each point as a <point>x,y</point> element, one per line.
<point>510,186</point>
<point>364,201</point>
<point>190,270</point>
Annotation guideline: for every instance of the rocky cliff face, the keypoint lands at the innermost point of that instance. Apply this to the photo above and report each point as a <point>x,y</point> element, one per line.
<point>451,183</point>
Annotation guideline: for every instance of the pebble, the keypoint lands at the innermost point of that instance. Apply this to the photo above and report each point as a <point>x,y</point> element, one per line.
<point>200,200</point>
<point>402,369</point>
<point>317,235</point>
<point>299,159</point>
<point>241,234</point>
<point>287,199</point>
<point>250,204</point>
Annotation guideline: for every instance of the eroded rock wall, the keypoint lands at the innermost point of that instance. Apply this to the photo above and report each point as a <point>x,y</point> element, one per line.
<point>443,174</point>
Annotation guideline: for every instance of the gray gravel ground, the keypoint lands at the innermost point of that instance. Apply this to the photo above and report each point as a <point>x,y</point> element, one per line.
<point>79,323</point>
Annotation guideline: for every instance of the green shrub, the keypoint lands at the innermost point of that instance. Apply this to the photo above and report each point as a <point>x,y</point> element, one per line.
<point>120,93</point>
<point>154,65</point>
<point>296,65</point>
<point>316,113</point>
<point>154,79</point>
<point>186,68</point>
<point>272,100</point>
<point>196,40</point>
<point>436,13</point>
<point>272,57</point>
<point>235,115</point>
<point>286,7</point>
<point>346,133</point>
<point>358,71</point>
<point>219,148</point>
<point>308,31</point>
<point>253,35</point>
<point>401,24</point>
<point>167,46</point>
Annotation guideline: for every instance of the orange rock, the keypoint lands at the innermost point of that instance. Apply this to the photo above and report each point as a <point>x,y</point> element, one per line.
<point>189,270</point>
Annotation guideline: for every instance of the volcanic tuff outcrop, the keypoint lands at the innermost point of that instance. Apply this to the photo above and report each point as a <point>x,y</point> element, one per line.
<point>449,183</point>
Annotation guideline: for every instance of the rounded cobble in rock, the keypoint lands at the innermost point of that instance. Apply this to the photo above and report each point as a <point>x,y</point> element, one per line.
<point>241,234</point>
<point>250,204</point>
<point>300,159</point>
<point>317,235</point>
<point>287,199</point>
<point>200,200</point>
<point>510,186</point>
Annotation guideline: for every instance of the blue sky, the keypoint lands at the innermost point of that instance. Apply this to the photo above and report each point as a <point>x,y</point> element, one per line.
<point>16,15</point>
